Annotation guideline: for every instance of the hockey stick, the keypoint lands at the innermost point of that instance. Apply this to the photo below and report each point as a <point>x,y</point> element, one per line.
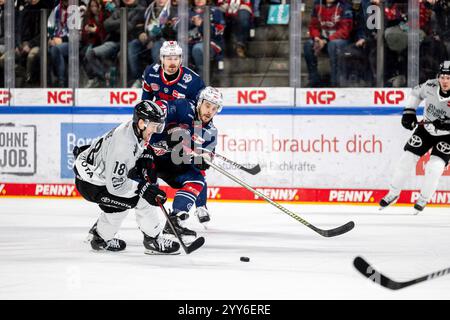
<point>188,249</point>
<point>326,233</point>
<point>253,170</point>
<point>369,272</point>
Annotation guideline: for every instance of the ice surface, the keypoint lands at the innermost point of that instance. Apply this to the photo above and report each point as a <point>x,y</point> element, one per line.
<point>43,256</point>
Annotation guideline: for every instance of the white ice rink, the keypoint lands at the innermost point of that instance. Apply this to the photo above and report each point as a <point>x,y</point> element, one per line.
<point>43,256</point>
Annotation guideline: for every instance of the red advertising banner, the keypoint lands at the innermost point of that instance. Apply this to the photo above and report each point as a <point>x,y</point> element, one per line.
<point>294,195</point>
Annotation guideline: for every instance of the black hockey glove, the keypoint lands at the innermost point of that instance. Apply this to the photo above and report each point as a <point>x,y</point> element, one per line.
<point>409,119</point>
<point>143,167</point>
<point>442,124</point>
<point>149,191</point>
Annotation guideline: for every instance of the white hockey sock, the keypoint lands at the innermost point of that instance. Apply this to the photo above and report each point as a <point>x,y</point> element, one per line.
<point>433,171</point>
<point>109,223</point>
<point>404,169</point>
<point>149,218</point>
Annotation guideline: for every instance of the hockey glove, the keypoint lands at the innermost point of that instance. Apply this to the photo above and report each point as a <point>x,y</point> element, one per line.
<point>199,161</point>
<point>442,124</point>
<point>143,168</point>
<point>409,119</point>
<point>149,192</point>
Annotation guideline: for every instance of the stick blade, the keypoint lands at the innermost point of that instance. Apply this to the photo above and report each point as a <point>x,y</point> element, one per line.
<point>255,170</point>
<point>370,273</point>
<point>197,243</point>
<point>336,231</point>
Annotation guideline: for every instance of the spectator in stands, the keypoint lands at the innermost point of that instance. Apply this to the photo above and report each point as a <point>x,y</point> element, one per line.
<point>396,36</point>
<point>196,34</point>
<point>29,42</point>
<point>2,30</point>
<point>354,58</point>
<point>58,46</point>
<point>97,56</point>
<point>329,29</point>
<point>136,21</point>
<point>161,18</point>
<point>93,34</point>
<point>441,22</point>
<point>238,17</point>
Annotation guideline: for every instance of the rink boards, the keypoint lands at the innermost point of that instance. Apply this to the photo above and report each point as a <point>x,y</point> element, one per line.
<point>338,146</point>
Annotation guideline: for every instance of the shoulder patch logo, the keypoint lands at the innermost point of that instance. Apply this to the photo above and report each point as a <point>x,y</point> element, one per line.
<point>156,67</point>
<point>187,78</point>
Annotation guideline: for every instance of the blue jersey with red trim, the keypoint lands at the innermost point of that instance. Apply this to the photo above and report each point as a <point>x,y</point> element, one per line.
<point>182,113</point>
<point>156,87</point>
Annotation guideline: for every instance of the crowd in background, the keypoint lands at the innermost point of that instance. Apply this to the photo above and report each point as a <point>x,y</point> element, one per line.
<point>337,32</point>
<point>150,22</point>
<point>342,31</point>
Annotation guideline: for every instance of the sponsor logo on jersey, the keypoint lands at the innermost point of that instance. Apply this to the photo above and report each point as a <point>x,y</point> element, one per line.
<point>415,141</point>
<point>443,147</point>
<point>54,190</point>
<point>2,186</point>
<point>448,103</point>
<point>153,75</point>
<point>431,84</point>
<point>178,95</point>
<point>187,78</point>
<point>154,86</point>
<point>166,90</point>
<point>105,200</point>
<point>436,112</point>
<point>156,67</point>
<point>351,196</point>
<point>279,194</point>
<point>117,182</point>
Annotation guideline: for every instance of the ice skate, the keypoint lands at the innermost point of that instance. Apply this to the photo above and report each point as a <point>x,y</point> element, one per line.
<point>388,200</point>
<point>179,221</point>
<point>98,244</point>
<point>160,245</point>
<point>419,205</point>
<point>202,214</point>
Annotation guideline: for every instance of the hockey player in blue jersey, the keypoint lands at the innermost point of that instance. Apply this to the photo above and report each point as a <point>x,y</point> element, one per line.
<point>189,126</point>
<point>170,80</point>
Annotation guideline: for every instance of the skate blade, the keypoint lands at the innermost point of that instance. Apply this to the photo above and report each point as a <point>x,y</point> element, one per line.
<point>158,253</point>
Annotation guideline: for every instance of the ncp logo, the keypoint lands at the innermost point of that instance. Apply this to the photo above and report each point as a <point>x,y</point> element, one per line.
<point>5,96</point>
<point>251,96</point>
<point>388,96</point>
<point>320,97</point>
<point>123,97</point>
<point>60,97</point>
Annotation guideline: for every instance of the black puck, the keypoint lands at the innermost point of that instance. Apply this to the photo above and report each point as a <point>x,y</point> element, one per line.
<point>245,259</point>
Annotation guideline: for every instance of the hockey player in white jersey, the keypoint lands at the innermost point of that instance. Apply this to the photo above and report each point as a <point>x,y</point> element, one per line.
<point>116,172</point>
<point>433,132</point>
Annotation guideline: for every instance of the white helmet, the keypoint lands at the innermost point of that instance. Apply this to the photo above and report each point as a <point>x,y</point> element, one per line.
<point>170,48</point>
<point>212,95</point>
